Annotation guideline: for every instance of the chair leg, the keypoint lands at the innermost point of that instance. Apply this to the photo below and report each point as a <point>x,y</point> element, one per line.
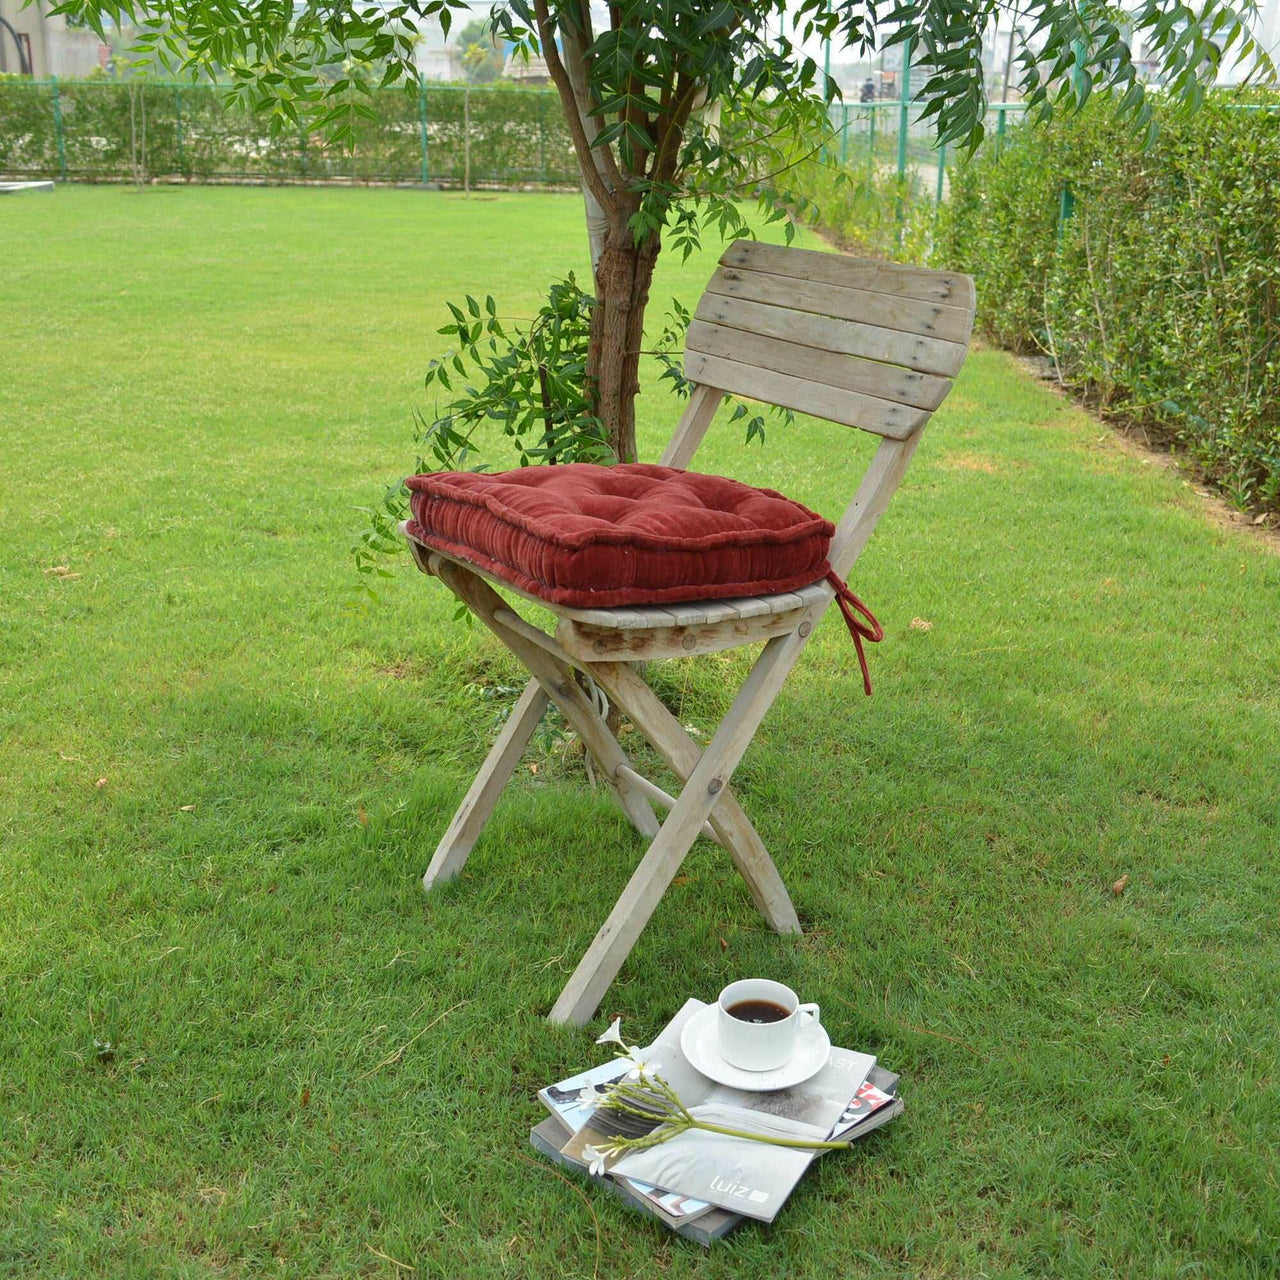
<point>452,851</point>
<point>618,934</point>
<point>558,683</point>
<point>626,687</point>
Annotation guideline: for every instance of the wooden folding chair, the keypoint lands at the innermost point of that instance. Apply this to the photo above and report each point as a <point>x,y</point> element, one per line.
<point>862,343</point>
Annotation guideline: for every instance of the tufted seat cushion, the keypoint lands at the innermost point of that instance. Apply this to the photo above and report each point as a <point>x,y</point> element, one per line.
<point>585,535</point>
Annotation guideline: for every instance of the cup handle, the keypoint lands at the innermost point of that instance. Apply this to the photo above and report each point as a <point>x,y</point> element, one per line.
<point>812,1010</point>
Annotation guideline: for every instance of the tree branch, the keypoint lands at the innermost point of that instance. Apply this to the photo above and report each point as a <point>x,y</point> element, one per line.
<point>591,175</point>
<point>578,40</point>
<point>665,159</point>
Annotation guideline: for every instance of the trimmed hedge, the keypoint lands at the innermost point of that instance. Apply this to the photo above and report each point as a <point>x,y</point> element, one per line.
<point>1155,284</point>
<point>169,131</point>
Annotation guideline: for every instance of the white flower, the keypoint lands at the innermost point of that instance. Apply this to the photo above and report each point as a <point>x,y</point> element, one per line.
<point>588,1098</point>
<point>613,1035</point>
<point>596,1158</point>
<point>641,1065</point>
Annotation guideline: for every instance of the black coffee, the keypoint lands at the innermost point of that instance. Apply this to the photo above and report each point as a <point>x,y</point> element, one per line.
<point>758,1011</point>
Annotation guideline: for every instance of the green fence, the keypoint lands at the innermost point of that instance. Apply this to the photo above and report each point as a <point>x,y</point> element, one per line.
<point>106,131</point>
<point>890,138</point>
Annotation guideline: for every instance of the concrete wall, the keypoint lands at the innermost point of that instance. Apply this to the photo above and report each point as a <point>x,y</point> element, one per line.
<point>56,49</point>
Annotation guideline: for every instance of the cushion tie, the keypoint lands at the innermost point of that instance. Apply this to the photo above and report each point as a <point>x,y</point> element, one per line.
<point>869,630</point>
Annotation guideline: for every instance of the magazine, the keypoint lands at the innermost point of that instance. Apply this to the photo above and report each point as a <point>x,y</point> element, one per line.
<point>877,1092</point>
<point>743,1175</point>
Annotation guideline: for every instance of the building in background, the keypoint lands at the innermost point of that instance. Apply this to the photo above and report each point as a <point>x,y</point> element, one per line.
<point>34,42</point>
<point>438,58</point>
<point>532,71</point>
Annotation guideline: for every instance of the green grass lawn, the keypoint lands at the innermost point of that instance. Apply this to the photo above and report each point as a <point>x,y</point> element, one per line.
<point>219,788</point>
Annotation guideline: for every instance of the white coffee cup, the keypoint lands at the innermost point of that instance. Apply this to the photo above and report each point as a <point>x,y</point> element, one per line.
<point>761,1046</point>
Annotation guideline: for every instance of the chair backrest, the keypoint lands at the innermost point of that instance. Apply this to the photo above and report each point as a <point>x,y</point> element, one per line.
<point>868,344</point>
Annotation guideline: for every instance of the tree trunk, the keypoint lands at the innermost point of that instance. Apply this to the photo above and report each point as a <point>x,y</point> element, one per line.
<point>623,275</point>
<point>622,268</point>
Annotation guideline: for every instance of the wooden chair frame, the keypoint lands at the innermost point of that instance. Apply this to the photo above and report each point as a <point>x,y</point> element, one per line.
<point>607,644</point>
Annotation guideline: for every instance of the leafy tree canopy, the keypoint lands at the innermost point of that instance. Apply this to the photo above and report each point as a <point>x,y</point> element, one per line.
<point>661,59</point>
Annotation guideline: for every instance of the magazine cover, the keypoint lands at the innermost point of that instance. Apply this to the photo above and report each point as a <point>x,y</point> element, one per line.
<point>878,1091</point>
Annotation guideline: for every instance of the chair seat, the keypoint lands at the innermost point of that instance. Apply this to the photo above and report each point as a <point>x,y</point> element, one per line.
<point>593,537</point>
<point>653,631</point>
<point>685,630</point>
<point>695,612</point>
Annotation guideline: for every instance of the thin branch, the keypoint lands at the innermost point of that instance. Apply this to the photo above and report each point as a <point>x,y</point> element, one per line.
<point>786,168</point>
<point>665,158</point>
<point>573,117</point>
<point>755,182</point>
<point>578,42</point>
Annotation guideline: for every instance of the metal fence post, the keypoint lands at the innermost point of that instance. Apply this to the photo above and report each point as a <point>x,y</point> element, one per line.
<point>542,139</point>
<point>177,128</point>
<point>826,92</point>
<point>904,121</point>
<point>1000,118</point>
<point>844,133</point>
<point>1066,207</point>
<point>904,108</point>
<point>302,151</point>
<point>1067,201</point>
<point>422,127</point>
<point>942,169</point>
<point>57,128</point>
<point>871,146</point>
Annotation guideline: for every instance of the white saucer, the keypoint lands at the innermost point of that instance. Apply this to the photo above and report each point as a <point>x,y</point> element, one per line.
<point>699,1041</point>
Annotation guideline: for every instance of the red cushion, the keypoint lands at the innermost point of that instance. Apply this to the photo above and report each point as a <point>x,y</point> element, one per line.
<point>585,535</point>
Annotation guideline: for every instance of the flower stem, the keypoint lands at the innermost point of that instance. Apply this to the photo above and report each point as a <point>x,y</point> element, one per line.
<point>800,1143</point>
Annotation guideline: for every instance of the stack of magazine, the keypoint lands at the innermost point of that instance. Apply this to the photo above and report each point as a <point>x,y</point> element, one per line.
<point>702,1184</point>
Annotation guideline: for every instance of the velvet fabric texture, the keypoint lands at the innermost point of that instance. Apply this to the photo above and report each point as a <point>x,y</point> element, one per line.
<point>589,536</point>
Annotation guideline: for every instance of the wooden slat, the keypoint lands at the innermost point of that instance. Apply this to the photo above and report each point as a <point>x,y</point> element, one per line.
<point>611,945</point>
<point>663,799</point>
<point>928,355</point>
<point>457,842</point>
<point>689,614</point>
<point>595,644</point>
<point>701,611</point>
<point>883,417</point>
<point>693,424</point>
<point>815,594</point>
<point>667,735</point>
<point>784,602</point>
<point>834,369</point>
<point>924,283</point>
<point>928,319</point>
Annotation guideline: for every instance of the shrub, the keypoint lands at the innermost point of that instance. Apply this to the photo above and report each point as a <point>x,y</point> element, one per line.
<point>113,131</point>
<point>1158,293</point>
<point>867,209</point>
